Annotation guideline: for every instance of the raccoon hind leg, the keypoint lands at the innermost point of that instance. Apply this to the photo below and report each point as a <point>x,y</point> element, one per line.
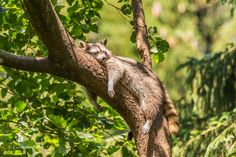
<point>148,113</point>
<point>147,126</point>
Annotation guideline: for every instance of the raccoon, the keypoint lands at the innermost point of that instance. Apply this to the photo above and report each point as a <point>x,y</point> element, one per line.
<point>139,80</point>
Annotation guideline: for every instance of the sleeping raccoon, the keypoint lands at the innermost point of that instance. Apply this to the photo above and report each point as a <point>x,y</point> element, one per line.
<point>139,80</point>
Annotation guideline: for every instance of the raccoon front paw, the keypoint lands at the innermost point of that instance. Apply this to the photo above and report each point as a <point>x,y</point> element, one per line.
<point>146,128</point>
<point>111,93</point>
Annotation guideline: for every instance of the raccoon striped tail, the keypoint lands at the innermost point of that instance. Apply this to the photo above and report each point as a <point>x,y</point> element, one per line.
<point>171,115</point>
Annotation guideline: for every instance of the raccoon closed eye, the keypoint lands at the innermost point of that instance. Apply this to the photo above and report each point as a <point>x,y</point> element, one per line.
<point>105,52</point>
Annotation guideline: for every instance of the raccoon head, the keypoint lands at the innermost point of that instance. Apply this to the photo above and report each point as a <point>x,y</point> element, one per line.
<point>97,50</point>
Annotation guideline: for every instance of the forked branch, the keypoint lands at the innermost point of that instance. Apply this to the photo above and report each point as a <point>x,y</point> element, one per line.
<point>51,30</point>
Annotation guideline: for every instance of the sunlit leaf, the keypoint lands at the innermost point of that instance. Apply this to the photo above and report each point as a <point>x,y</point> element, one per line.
<point>20,106</point>
<point>113,149</point>
<point>59,121</point>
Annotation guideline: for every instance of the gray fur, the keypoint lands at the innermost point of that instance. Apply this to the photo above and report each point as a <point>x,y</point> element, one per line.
<point>136,77</point>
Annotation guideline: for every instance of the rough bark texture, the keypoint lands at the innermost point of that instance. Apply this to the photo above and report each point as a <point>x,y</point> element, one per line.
<point>34,64</point>
<point>141,33</point>
<point>67,60</point>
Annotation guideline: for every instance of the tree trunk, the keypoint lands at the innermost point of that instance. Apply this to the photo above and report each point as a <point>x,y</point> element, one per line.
<point>67,60</point>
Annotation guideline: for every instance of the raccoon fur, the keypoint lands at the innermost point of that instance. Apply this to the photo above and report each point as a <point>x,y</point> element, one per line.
<point>139,80</point>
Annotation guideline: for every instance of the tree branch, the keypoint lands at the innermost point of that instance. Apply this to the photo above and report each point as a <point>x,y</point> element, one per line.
<point>51,30</point>
<point>141,33</point>
<point>35,64</point>
<point>69,61</point>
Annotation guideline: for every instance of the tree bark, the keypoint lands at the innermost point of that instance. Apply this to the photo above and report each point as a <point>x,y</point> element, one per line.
<point>141,33</point>
<point>67,60</point>
<point>34,64</point>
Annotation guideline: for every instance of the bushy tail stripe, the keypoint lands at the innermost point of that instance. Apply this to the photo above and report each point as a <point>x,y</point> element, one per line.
<point>171,115</point>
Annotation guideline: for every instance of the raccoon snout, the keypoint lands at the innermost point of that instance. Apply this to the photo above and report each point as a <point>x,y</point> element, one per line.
<point>104,58</point>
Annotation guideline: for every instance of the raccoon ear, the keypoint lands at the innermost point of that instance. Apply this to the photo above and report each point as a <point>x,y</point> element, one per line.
<point>104,42</point>
<point>82,44</point>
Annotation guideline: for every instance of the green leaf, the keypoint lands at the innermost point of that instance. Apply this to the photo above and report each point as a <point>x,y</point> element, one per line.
<point>3,93</point>
<point>94,28</point>
<point>39,139</point>
<point>59,121</point>
<point>61,150</point>
<point>58,88</point>
<point>119,124</point>
<point>152,30</point>
<point>162,45</point>
<point>97,4</point>
<point>158,57</point>
<point>126,152</point>
<point>29,143</point>
<point>133,37</point>
<point>70,2</point>
<point>20,106</point>
<point>108,124</point>
<point>34,39</point>
<point>126,9</point>
<point>112,149</point>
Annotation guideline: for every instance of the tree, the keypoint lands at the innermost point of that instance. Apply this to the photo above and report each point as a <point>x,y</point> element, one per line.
<point>65,59</point>
<point>207,106</point>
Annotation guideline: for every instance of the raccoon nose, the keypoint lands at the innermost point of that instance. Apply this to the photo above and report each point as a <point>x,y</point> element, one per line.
<point>103,57</point>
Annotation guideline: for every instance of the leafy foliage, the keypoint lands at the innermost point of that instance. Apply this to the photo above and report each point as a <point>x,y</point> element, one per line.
<point>233,2</point>
<point>43,112</point>
<point>213,89</point>
<point>215,137</point>
<point>212,81</point>
<point>42,115</point>
<point>158,45</point>
<point>80,16</point>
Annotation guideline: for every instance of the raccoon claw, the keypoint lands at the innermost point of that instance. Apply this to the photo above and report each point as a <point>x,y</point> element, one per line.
<point>111,93</point>
<point>146,128</point>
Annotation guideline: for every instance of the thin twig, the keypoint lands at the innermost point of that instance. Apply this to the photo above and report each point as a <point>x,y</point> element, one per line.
<point>8,90</point>
<point>4,79</point>
<point>108,134</point>
<point>119,11</point>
